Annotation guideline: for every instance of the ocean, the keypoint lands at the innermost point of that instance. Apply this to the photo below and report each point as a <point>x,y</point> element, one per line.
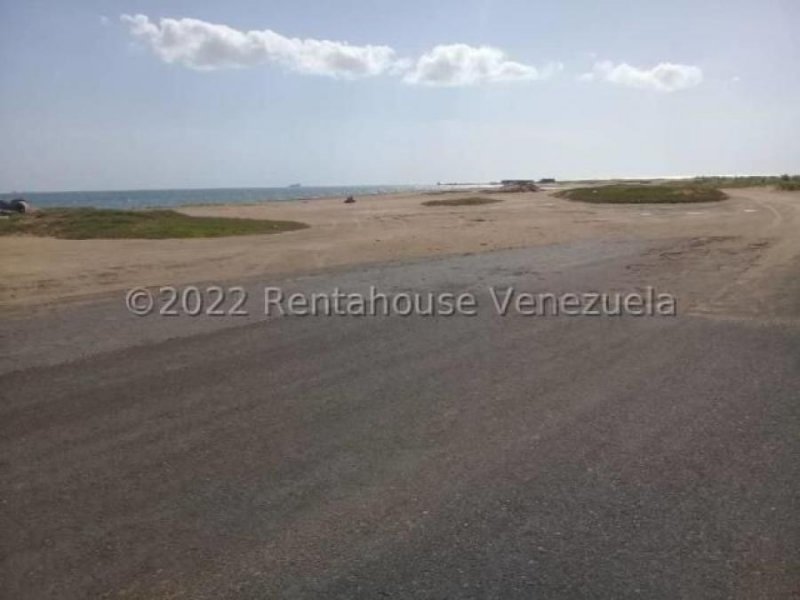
<point>128,199</point>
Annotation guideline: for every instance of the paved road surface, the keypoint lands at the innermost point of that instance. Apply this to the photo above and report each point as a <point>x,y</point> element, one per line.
<point>463,457</point>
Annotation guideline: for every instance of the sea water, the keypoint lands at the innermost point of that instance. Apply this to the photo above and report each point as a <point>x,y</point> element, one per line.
<point>128,199</point>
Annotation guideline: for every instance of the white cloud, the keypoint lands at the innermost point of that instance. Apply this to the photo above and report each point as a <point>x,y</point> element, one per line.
<point>460,64</point>
<point>207,46</point>
<point>664,77</point>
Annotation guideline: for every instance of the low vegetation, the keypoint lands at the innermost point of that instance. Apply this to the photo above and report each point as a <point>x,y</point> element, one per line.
<point>734,181</point>
<point>791,185</point>
<point>782,182</point>
<point>93,223</point>
<point>643,194</point>
<point>468,201</point>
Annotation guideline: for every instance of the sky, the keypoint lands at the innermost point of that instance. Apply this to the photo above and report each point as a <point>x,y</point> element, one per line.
<point>140,94</point>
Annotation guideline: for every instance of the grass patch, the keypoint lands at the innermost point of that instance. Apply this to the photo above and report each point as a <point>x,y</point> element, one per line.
<point>789,186</point>
<point>709,181</point>
<point>96,223</point>
<point>733,181</point>
<point>747,181</point>
<point>468,201</point>
<point>643,194</point>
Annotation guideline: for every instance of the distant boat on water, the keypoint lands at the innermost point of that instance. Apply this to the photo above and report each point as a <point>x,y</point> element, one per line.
<point>294,185</point>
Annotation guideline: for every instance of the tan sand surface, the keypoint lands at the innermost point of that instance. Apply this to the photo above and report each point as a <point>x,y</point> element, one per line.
<point>42,271</point>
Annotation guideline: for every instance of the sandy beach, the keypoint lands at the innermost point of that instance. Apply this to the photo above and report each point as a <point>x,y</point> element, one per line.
<point>39,271</point>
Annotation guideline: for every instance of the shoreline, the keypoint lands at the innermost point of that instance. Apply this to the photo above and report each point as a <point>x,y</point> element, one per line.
<point>179,198</point>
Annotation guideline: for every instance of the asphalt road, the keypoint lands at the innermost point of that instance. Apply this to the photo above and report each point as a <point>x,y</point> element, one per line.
<point>461,457</point>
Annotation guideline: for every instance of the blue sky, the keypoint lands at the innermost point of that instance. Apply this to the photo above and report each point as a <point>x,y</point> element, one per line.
<point>404,92</point>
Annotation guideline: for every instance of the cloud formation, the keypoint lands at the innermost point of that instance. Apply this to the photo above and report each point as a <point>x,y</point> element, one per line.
<point>664,77</point>
<point>460,64</point>
<point>206,46</point>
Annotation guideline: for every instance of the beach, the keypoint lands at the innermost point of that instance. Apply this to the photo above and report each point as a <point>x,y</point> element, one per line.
<point>42,272</point>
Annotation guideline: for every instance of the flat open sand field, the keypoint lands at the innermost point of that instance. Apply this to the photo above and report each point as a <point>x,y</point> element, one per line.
<point>757,222</point>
